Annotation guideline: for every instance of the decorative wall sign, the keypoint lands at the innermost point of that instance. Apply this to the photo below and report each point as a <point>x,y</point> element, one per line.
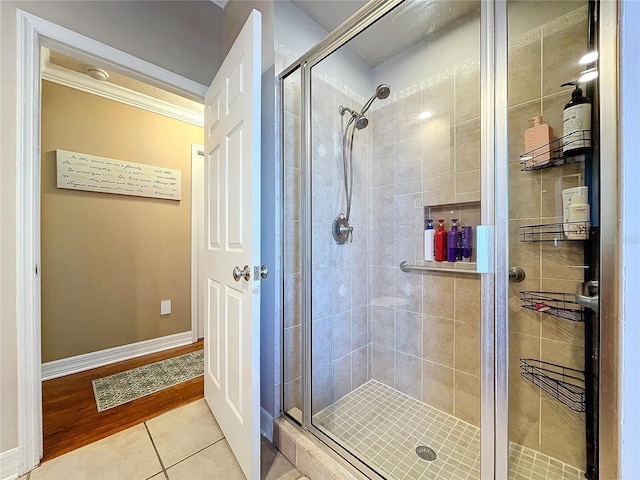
<point>79,171</point>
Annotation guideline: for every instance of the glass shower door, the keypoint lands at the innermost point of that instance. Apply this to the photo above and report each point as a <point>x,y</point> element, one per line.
<point>395,338</point>
<point>553,218</point>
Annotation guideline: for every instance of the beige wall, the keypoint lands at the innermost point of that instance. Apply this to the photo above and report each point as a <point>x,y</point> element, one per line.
<point>108,260</point>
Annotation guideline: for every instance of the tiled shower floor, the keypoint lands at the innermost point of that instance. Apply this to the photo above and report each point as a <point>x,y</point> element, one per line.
<point>383,427</point>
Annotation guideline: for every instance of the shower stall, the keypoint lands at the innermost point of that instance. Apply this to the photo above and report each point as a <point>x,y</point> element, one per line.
<point>419,110</point>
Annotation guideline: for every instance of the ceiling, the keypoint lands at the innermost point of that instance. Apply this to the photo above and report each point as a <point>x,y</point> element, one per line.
<point>411,22</point>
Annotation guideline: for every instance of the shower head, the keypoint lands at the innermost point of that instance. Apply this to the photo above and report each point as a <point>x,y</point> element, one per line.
<point>361,121</point>
<point>383,91</point>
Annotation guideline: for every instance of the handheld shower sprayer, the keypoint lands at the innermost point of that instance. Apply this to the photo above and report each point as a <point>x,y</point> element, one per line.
<point>341,230</point>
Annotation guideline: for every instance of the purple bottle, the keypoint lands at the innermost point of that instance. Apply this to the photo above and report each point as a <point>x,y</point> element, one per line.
<point>454,242</point>
<point>467,242</point>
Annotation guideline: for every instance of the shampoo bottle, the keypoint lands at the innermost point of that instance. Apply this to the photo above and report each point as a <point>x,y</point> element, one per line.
<point>429,237</point>
<point>536,142</point>
<point>576,123</point>
<point>440,243</point>
<point>454,242</point>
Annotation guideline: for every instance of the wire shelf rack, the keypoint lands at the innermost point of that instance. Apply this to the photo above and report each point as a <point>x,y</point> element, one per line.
<point>552,154</point>
<point>555,232</point>
<point>567,385</point>
<point>556,304</point>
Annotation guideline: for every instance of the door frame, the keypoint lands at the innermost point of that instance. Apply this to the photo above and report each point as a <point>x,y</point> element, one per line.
<point>32,34</point>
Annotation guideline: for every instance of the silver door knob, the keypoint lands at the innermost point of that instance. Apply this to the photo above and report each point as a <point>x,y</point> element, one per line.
<point>238,274</point>
<point>264,272</point>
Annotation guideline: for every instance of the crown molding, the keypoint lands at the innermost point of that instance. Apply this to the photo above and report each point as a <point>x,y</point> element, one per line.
<point>79,81</point>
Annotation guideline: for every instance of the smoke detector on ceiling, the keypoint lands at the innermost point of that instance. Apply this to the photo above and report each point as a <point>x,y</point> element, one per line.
<point>98,73</point>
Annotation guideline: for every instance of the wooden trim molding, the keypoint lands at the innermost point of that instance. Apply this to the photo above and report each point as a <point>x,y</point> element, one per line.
<point>79,81</point>
<point>87,361</point>
<point>10,464</point>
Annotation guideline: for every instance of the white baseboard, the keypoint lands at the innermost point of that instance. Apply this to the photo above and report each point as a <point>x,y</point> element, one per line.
<point>266,424</point>
<point>87,361</point>
<point>10,464</point>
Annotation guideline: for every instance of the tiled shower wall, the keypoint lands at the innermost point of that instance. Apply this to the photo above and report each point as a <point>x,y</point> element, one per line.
<point>425,326</point>
<point>539,62</point>
<point>340,307</point>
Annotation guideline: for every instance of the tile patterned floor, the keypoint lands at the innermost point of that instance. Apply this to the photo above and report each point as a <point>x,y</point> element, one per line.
<point>183,444</point>
<point>383,427</point>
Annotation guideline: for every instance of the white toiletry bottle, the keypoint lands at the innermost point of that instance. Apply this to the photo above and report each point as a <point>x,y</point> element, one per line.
<point>429,236</point>
<point>577,213</point>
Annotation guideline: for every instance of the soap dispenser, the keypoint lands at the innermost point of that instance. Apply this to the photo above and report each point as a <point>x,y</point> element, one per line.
<point>576,123</point>
<point>536,142</point>
<point>440,242</point>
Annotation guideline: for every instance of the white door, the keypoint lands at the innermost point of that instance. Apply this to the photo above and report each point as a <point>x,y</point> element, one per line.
<point>232,229</point>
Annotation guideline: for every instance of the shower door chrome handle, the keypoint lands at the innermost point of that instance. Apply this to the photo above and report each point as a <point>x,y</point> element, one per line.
<point>238,274</point>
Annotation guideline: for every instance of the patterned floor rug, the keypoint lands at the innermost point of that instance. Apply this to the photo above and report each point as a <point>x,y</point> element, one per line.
<point>138,382</point>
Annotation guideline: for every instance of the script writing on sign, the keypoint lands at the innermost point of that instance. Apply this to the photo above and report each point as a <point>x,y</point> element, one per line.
<point>79,171</point>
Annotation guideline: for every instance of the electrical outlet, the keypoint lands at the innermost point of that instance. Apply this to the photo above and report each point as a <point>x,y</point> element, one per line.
<point>165,307</point>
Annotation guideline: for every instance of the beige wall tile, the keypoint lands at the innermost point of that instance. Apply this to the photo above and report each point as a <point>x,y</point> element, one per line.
<point>524,413</point>
<point>527,186</point>
<point>437,386</point>
<point>341,377</point>
<point>291,94</point>
<point>408,373</point>
<point>554,180</point>
<point>468,146</point>
<point>438,340</point>
<point>292,139</point>
<point>467,299</point>
<point>438,291</point>
<point>467,345</point>
<point>467,398</point>
<point>562,353</point>
<point>562,433</point>
<point>408,159</point>
<point>467,94</point>
<point>409,333</point>
<point>438,154</point>
<point>293,394</point>
<point>438,190</point>
<point>382,171</point>
<point>321,388</point>
<point>468,181</point>
<point>525,255</point>
<point>438,100</point>
<point>382,365</point>
<point>407,111</point>
<point>563,261</point>
<point>524,72</point>
<point>322,103</point>
<point>383,132</point>
<point>523,320</point>
<point>292,300</point>
<point>563,330</point>
<point>292,353</point>
<point>561,52</point>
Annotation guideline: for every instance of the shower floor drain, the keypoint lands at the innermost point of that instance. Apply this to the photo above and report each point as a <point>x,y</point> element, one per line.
<point>426,453</point>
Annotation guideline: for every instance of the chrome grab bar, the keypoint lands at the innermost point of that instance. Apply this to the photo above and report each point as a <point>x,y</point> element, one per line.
<point>516,274</point>
<point>407,267</point>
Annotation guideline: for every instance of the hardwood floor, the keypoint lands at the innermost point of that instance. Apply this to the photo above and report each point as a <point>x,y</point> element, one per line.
<point>71,419</point>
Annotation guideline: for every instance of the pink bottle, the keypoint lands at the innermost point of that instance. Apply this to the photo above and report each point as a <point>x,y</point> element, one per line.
<point>536,142</point>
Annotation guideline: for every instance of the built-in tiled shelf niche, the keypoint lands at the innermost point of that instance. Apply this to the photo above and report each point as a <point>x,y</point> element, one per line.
<point>468,214</point>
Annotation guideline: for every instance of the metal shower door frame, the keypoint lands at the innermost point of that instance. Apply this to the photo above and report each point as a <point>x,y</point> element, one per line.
<point>494,444</point>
